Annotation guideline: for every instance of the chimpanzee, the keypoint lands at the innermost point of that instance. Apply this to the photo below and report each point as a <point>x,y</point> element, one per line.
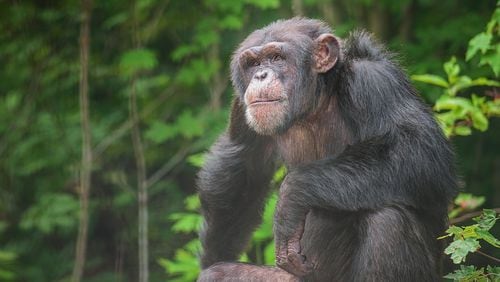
<point>370,173</point>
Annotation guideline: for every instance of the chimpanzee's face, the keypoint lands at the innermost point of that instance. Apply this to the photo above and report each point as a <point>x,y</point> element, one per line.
<point>276,76</point>
<point>269,76</point>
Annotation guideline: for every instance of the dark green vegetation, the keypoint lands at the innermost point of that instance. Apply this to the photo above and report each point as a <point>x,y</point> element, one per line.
<point>158,94</point>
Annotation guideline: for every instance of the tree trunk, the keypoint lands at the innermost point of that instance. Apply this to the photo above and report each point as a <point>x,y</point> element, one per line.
<point>378,20</point>
<point>297,8</point>
<point>86,165</point>
<point>405,30</point>
<point>142,188</point>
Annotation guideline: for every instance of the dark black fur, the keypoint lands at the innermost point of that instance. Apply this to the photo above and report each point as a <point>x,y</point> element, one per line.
<point>377,201</point>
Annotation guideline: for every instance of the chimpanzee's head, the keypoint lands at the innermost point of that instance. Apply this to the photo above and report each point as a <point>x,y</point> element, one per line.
<point>275,71</point>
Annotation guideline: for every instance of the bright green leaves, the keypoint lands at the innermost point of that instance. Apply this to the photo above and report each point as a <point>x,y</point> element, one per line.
<point>185,265</point>
<point>7,260</point>
<point>480,42</point>
<point>53,211</point>
<point>431,79</point>
<point>137,60</point>
<point>466,240</point>
<point>466,202</point>
<point>458,115</point>
<point>487,44</point>
<point>186,125</point>
<point>264,4</point>
<point>459,249</point>
<point>471,273</point>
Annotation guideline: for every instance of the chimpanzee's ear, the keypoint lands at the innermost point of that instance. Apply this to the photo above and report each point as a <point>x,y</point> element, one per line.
<point>326,52</point>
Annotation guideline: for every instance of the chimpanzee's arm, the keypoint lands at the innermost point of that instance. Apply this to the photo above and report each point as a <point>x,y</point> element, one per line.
<point>383,171</point>
<point>233,185</point>
<point>397,168</point>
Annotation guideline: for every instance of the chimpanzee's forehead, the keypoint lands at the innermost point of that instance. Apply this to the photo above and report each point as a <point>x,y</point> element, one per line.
<point>264,37</point>
<point>294,31</point>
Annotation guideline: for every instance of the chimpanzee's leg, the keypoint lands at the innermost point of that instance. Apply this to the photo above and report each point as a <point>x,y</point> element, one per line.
<point>234,272</point>
<point>395,248</point>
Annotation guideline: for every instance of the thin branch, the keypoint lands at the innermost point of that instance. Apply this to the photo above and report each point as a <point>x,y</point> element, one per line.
<point>86,165</point>
<point>123,129</point>
<point>168,166</point>
<point>488,256</point>
<point>468,216</point>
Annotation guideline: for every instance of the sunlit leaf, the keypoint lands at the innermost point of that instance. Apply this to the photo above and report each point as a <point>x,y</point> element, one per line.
<point>459,249</point>
<point>160,132</point>
<point>430,79</point>
<point>487,219</point>
<point>137,60</point>
<point>480,42</point>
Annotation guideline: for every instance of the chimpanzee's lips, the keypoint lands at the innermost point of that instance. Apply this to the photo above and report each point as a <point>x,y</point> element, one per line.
<point>264,101</point>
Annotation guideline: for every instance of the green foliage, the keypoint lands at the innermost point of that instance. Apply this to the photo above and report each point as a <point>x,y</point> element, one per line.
<point>53,211</point>
<point>7,259</point>
<point>472,274</point>
<point>467,240</point>
<point>466,202</point>
<point>181,77</point>
<point>134,61</point>
<point>458,115</point>
<point>186,125</point>
<point>487,44</point>
<point>185,267</point>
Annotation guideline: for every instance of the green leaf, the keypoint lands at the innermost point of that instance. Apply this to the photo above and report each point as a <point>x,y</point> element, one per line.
<point>197,160</point>
<point>183,51</point>
<point>231,22</point>
<point>280,174</point>
<point>482,81</point>
<point>431,79</point>
<point>488,237</point>
<point>137,60</point>
<point>160,132</point>
<point>487,219</point>
<point>480,42</point>
<point>188,125</point>
<point>264,4</point>
<point>462,130</point>
<point>452,69</point>
<point>479,120</point>
<point>455,230</point>
<point>192,202</point>
<point>459,249</point>
<point>451,103</point>
<point>465,273</point>
<point>52,211</point>
<point>186,222</point>
<point>492,59</point>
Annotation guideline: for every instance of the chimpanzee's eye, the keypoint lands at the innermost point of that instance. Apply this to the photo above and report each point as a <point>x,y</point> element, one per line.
<point>255,63</point>
<point>277,58</point>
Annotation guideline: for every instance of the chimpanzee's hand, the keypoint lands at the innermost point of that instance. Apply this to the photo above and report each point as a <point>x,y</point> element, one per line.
<point>289,221</point>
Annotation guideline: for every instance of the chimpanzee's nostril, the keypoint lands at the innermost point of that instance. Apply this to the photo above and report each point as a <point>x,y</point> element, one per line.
<point>261,75</point>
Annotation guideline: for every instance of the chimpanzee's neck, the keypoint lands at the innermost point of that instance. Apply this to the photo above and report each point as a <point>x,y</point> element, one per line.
<point>321,134</point>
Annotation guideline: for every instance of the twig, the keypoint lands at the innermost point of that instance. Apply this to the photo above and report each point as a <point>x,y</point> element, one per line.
<point>488,256</point>
<point>168,166</point>
<point>469,216</point>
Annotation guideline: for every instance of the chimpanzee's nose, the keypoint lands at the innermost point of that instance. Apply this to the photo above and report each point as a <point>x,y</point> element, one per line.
<point>260,75</point>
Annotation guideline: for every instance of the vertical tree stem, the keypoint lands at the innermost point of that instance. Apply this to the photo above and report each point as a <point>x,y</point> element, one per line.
<point>142,193</point>
<point>86,165</point>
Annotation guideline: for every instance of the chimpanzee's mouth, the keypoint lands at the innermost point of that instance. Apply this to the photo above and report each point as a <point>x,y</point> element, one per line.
<point>265,101</point>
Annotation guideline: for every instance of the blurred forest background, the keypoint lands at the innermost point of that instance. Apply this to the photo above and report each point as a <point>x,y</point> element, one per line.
<point>106,108</point>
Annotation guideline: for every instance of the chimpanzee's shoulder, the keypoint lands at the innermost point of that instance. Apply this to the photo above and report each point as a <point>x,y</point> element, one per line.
<point>361,44</point>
